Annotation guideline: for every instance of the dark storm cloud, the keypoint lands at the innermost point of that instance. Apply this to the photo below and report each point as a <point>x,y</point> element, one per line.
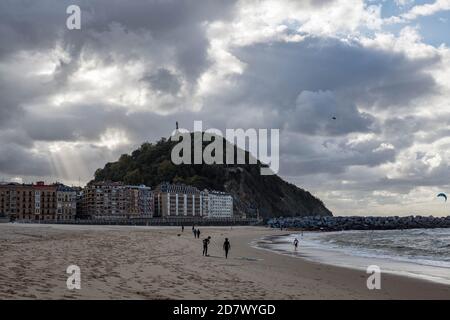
<point>163,80</point>
<point>279,72</point>
<point>8,110</point>
<point>30,25</point>
<point>336,163</point>
<point>306,155</point>
<point>178,24</point>
<point>17,160</point>
<point>37,27</point>
<point>331,115</point>
<point>87,122</point>
<point>40,25</point>
<point>404,185</point>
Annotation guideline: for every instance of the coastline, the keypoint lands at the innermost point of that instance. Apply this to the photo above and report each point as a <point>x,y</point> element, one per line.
<point>156,263</point>
<point>312,250</point>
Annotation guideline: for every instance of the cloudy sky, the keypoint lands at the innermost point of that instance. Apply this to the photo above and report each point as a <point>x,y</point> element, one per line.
<point>72,100</point>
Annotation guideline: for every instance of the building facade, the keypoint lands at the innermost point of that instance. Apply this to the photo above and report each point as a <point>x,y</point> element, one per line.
<point>110,200</point>
<point>218,204</point>
<point>45,201</point>
<point>140,201</point>
<point>178,200</point>
<point>115,200</point>
<point>35,202</point>
<point>66,203</point>
<point>17,201</point>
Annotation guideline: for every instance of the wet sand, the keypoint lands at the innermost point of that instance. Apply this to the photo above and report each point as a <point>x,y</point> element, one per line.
<point>156,263</point>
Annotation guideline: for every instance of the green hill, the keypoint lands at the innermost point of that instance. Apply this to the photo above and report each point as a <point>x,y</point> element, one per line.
<point>269,195</point>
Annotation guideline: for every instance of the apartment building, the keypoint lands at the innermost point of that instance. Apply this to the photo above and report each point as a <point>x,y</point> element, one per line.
<point>218,204</point>
<point>178,200</point>
<point>104,200</point>
<point>115,200</point>
<point>66,202</point>
<point>36,201</point>
<point>110,200</point>
<point>81,214</point>
<point>17,201</point>
<point>45,201</point>
<point>140,201</point>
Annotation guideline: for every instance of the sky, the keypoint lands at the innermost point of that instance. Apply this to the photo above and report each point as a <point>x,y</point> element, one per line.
<point>72,100</point>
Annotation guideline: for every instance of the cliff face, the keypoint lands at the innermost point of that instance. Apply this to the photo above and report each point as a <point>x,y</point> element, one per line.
<point>269,196</point>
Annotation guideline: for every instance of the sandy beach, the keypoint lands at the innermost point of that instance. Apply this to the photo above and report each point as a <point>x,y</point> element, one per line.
<point>158,263</point>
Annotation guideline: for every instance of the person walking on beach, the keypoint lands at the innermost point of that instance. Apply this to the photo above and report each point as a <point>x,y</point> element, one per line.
<point>296,243</point>
<point>198,233</point>
<point>226,247</point>
<point>182,228</point>
<point>205,246</point>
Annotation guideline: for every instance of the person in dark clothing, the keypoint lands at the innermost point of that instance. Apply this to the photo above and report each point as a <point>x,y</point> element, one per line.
<point>198,233</point>
<point>205,246</point>
<point>226,247</point>
<point>182,228</point>
<point>296,243</point>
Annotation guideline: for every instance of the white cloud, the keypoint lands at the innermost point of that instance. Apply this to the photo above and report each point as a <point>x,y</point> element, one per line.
<point>408,42</point>
<point>417,11</point>
<point>427,9</point>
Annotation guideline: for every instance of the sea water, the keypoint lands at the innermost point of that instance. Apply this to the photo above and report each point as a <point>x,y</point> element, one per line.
<point>420,253</point>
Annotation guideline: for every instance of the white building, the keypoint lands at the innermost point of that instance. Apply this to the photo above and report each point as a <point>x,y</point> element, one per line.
<point>178,200</point>
<point>218,204</point>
